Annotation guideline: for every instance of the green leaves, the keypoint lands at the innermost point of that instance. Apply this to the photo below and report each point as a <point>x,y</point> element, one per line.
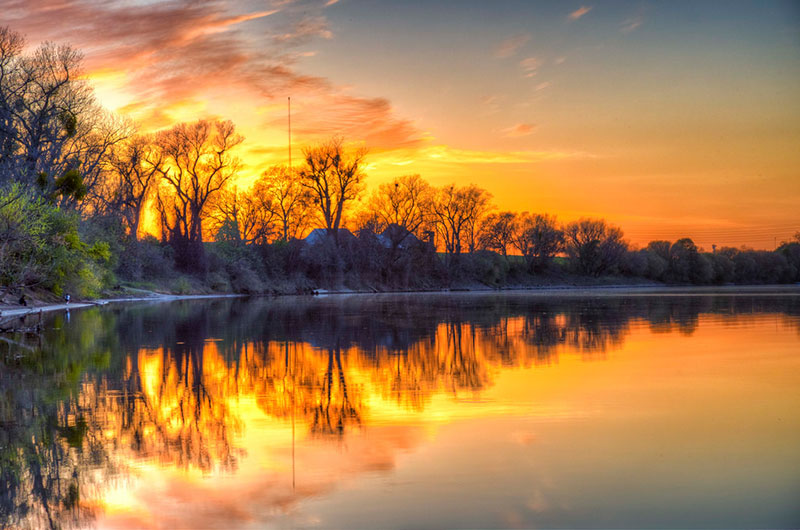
<point>40,246</point>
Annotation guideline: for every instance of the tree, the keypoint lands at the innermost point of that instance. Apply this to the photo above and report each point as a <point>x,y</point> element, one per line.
<point>90,157</point>
<point>497,232</point>
<point>403,202</point>
<point>594,246</point>
<point>456,212</point>
<point>538,239</point>
<point>281,191</point>
<point>333,177</point>
<point>660,248</point>
<point>40,246</point>
<point>244,217</point>
<point>477,202</point>
<point>134,168</point>
<point>53,134</point>
<point>197,164</point>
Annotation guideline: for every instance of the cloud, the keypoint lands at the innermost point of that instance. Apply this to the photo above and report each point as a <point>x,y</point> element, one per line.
<point>578,13</point>
<point>304,31</point>
<point>520,129</point>
<point>511,45</point>
<point>451,155</point>
<point>185,59</point>
<point>371,120</point>
<point>542,85</point>
<point>530,65</point>
<point>631,23</point>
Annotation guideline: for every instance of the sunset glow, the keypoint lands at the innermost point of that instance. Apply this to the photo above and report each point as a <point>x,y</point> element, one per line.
<point>666,119</point>
<point>531,400</point>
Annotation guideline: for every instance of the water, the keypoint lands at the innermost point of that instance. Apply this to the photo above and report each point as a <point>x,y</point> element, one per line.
<point>413,411</point>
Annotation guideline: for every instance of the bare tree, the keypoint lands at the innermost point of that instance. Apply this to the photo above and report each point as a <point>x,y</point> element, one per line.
<point>456,212</point>
<point>497,232</point>
<point>244,217</point>
<point>404,202</point>
<point>54,136</point>
<point>134,168</point>
<point>281,191</point>
<point>89,156</point>
<point>333,178</point>
<point>594,246</point>
<point>538,239</point>
<point>197,164</point>
<point>477,202</point>
<point>11,45</point>
<point>44,105</point>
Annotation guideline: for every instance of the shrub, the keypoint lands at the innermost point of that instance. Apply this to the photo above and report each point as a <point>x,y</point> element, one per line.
<point>145,259</point>
<point>41,247</point>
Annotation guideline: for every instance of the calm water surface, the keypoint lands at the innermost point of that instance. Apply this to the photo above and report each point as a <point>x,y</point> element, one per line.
<point>413,411</point>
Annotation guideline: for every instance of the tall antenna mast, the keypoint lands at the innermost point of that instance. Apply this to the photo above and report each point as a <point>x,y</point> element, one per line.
<point>289,100</point>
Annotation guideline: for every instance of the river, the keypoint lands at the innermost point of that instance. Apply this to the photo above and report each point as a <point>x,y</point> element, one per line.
<point>469,410</point>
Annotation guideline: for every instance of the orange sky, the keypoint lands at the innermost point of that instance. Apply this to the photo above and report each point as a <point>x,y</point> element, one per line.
<point>669,120</point>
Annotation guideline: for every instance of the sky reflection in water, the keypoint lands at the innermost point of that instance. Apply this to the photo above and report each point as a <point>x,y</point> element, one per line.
<point>473,410</point>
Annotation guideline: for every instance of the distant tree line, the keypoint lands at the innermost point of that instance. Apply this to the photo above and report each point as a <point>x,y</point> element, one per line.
<point>81,190</point>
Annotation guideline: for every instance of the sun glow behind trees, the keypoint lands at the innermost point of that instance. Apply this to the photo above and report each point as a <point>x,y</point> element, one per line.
<point>610,114</point>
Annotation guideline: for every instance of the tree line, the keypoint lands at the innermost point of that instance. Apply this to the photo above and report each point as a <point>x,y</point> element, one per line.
<point>81,190</point>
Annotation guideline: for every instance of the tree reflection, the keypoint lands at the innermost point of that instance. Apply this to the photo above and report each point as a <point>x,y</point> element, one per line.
<point>163,381</point>
<point>49,441</point>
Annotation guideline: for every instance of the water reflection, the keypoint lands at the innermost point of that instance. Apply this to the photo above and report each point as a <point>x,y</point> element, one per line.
<point>171,385</point>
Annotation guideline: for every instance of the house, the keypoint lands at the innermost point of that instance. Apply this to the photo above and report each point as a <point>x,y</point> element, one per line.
<point>397,236</point>
<point>320,235</point>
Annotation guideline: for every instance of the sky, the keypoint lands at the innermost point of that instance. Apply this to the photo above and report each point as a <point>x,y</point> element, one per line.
<point>669,119</point>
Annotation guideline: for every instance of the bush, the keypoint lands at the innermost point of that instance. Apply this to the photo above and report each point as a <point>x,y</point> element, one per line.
<point>182,286</point>
<point>145,259</point>
<point>243,279</point>
<point>594,247</point>
<point>41,247</point>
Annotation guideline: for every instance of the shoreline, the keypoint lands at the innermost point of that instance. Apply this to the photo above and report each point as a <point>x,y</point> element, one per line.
<point>157,297</point>
<point>550,290</point>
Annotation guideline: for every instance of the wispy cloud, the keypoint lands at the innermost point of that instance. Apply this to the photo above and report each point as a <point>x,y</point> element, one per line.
<point>578,13</point>
<point>163,62</point>
<point>452,155</point>
<point>511,45</point>
<point>520,129</point>
<point>530,65</point>
<point>491,104</point>
<point>305,30</point>
<point>631,23</point>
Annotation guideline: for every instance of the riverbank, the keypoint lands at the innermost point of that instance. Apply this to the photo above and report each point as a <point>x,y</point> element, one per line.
<point>11,311</point>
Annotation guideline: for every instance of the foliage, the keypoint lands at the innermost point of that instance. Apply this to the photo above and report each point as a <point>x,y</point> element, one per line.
<point>76,182</point>
<point>40,247</point>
